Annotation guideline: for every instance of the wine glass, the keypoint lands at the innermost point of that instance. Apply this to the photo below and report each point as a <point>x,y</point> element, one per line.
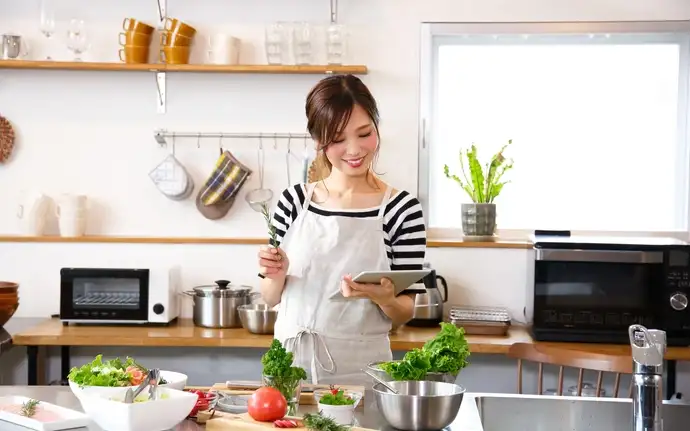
<point>47,23</point>
<point>77,38</point>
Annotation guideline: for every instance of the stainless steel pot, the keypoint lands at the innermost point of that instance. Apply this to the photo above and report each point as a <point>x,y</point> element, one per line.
<point>215,306</point>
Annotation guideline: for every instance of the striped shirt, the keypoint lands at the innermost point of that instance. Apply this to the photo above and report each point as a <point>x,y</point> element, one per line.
<point>404,230</point>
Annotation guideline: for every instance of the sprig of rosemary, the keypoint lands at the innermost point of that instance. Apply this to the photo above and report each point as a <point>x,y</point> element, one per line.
<point>273,235</point>
<point>29,408</point>
<point>318,422</point>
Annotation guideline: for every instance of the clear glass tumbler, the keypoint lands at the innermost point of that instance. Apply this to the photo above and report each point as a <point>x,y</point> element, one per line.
<point>303,43</point>
<point>336,44</point>
<point>276,43</point>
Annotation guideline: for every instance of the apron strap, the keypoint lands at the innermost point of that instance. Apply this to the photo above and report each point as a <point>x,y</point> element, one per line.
<point>317,342</point>
<point>310,191</point>
<point>384,202</point>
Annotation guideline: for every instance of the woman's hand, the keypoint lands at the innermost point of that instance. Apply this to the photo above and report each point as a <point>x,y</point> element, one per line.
<point>273,262</point>
<point>382,294</point>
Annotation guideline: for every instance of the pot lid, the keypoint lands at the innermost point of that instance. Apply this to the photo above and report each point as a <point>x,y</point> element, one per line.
<point>222,288</point>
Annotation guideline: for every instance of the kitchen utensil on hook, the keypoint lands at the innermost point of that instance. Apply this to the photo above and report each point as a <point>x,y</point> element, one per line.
<point>258,198</point>
<point>287,161</point>
<point>305,162</point>
<point>385,384</point>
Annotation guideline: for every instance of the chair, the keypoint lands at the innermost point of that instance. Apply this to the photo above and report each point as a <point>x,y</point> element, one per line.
<point>570,357</point>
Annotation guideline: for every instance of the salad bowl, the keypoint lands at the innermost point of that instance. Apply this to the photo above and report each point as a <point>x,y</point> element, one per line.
<point>173,380</point>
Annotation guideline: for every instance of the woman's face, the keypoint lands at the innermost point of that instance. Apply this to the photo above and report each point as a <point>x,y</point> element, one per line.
<point>352,152</point>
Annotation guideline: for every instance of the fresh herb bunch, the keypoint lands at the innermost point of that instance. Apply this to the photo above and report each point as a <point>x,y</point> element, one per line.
<point>484,184</point>
<point>272,234</point>
<point>318,422</point>
<point>447,352</point>
<point>278,369</point>
<point>29,408</point>
<point>337,399</point>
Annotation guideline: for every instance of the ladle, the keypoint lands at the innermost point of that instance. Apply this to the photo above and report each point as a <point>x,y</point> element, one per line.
<point>378,379</point>
<point>258,198</point>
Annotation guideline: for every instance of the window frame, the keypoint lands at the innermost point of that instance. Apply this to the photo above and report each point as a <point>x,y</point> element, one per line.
<point>435,34</point>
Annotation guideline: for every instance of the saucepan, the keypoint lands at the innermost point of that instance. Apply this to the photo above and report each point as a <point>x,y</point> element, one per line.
<point>215,306</point>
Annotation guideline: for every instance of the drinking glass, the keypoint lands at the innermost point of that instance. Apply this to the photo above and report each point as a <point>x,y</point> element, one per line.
<point>47,22</point>
<point>303,36</point>
<point>336,44</point>
<point>277,43</point>
<point>77,38</point>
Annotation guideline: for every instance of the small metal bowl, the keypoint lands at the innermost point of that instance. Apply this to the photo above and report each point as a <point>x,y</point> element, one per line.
<point>419,405</point>
<point>257,318</point>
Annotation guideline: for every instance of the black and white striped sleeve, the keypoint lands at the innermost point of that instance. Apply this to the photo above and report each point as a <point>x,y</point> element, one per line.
<point>289,204</point>
<point>407,233</point>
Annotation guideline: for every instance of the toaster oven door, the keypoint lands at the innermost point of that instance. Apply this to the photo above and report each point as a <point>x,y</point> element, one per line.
<point>104,295</point>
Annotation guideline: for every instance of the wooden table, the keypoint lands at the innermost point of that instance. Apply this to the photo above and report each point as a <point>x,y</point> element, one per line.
<point>183,333</point>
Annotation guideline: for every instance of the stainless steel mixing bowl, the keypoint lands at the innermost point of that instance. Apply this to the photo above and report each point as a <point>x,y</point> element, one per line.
<point>419,405</point>
<point>257,318</point>
<point>433,377</point>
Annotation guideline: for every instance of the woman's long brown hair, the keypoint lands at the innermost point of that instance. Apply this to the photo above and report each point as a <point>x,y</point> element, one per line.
<point>329,107</point>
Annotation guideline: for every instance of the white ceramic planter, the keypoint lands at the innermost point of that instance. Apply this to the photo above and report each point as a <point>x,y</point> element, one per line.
<point>343,415</point>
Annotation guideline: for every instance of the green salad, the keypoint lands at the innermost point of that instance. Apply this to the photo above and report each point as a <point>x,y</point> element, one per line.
<point>447,352</point>
<point>115,372</point>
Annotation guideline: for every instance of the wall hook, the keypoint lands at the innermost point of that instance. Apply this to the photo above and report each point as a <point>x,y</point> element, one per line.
<point>275,141</point>
<point>220,143</point>
<point>198,140</point>
<point>173,144</point>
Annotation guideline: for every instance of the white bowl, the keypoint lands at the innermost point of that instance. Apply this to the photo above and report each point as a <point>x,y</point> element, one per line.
<point>110,412</point>
<point>343,415</point>
<point>175,381</point>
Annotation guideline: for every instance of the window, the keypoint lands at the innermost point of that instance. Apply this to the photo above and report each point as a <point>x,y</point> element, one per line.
<point>598,115</point>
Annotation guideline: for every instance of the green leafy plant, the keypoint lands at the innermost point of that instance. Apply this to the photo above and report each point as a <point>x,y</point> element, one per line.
<point>336,399</point>
<point>447,352</point>
<point>29,408</point>
<point>279,373</point>
<point>484,184</point>
<point>319,422</point>
<point>272,234</point>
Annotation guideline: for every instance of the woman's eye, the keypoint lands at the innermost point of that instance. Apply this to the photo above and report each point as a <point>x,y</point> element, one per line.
<point>339,141</point>
<point>366,135</point>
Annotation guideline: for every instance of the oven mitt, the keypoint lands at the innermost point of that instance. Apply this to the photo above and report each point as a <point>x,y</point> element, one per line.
<point>227,178</point>
<point>172,179</point>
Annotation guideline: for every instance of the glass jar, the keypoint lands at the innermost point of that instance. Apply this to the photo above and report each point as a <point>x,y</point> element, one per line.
<point>291,390</point>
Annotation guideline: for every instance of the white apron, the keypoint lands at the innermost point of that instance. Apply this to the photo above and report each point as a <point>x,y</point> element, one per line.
<point>333,339</point>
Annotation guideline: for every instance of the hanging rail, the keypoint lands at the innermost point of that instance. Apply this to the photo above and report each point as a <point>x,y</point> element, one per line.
<point>161,135</point>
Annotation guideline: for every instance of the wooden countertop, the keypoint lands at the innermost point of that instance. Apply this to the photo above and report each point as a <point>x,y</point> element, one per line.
<point>183,333</point>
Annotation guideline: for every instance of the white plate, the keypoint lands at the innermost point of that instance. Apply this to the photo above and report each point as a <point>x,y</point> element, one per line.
<point>70,418</point>
<point>233,403</point>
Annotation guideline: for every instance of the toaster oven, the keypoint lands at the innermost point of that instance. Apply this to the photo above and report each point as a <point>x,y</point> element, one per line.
<point>119,295</point>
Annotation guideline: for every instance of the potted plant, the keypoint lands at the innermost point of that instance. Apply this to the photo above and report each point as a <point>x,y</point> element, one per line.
<point>483,185</point>
<point>338,405</point>
<point>279,373</point>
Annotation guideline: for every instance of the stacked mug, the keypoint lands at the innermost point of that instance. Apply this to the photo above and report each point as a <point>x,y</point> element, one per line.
<point>71,213</point>
<point>176,41</point>
<point>135,41</point>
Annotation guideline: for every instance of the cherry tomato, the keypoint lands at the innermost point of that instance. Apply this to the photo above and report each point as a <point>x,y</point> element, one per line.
<point>267,405</point>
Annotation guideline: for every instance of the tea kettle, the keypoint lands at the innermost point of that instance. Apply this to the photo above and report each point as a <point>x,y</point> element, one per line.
<point>428,302</point>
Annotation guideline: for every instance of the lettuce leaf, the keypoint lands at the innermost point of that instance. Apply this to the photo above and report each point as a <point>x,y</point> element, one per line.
<point>448,350</point>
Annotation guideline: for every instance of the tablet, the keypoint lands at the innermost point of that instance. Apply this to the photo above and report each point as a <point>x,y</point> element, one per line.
<point>401,279</point>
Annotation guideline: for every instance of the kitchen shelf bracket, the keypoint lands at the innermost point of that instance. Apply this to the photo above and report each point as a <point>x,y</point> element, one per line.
<point>334,11</point>
<point>161,91</point>
<point>162,10</point>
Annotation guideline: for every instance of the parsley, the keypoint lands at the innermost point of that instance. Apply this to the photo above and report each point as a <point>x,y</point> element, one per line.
<point>279,372</point>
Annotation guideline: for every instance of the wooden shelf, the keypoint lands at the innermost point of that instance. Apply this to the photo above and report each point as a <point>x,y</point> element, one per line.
<point>190,68</point>
<point>239,241</point>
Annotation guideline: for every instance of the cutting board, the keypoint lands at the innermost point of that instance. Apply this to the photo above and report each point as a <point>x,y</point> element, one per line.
<point>306,397</point>
<point>227,421</point>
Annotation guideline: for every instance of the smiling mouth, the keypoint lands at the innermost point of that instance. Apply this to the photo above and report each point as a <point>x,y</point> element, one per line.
<point>355,163</point>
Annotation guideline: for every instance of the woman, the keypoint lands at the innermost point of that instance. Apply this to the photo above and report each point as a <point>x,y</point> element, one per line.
<point>331,230</point>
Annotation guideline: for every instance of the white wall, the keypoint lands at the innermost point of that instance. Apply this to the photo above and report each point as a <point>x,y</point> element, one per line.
<point>91,133</point>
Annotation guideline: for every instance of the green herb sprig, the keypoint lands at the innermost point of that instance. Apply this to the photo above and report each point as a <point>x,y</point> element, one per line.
<point>484,184</point>
<point>272,234</point>
<point>29,408</point>
<point>318,422</point>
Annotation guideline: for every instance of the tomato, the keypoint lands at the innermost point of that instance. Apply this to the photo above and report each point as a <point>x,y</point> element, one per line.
<point>267,405</point>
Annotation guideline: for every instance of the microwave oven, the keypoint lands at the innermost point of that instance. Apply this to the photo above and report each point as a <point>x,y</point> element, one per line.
<point>119,295</point>
<point>591,289</point>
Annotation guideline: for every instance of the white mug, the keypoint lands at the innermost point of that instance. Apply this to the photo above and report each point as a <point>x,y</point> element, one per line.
<point>223,49</point>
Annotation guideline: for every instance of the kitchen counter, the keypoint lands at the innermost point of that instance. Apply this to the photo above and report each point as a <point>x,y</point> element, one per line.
<point>12,328</point>
<point>183,333</point>
<point>369,417</point>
